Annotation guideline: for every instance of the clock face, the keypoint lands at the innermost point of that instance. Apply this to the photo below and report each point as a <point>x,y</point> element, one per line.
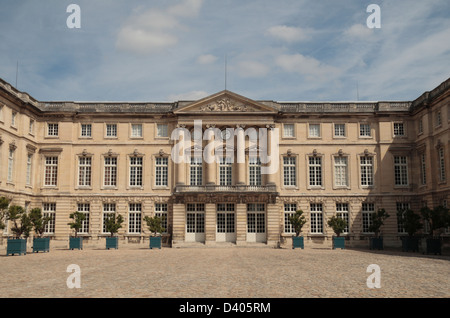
<point>226,134</point>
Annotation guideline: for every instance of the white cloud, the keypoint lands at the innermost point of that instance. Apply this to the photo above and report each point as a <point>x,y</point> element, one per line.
<point>358,31</point>
<point>252,69</point>
<point>308,66</point>
<point>206,59</point>
<point>193,95</point>
<point>289,34</point>
<point>188,8</point>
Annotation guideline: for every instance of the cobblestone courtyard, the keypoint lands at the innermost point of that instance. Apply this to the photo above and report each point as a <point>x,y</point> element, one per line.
<point>224,272</point>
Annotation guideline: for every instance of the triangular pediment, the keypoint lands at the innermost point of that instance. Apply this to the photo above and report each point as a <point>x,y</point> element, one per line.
<point>226,103</point>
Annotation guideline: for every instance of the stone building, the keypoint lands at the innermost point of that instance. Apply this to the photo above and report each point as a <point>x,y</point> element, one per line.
<point>346,158</point>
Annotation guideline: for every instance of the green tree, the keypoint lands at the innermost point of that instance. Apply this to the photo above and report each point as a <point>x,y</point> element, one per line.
<point>113,223</point>
<point>4,203</point>
<point>378,219</point>
<point>154,224</point>
<point>437,218</point>
<point>410,220</point>
<point>38,221</point>
<point>21,222</point>
<point>297,220</point>
<point>78,218</point>
<point>338,224</point>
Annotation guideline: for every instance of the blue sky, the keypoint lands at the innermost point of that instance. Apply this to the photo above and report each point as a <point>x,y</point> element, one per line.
<point>168,50</point>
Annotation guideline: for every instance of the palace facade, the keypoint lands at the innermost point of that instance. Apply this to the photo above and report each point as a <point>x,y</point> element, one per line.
<point>346,158</point>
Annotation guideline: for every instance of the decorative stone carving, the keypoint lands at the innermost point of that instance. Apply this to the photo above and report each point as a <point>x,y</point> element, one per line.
<point>161,152</point>
<point>12,146</point>
<point>224,105</point>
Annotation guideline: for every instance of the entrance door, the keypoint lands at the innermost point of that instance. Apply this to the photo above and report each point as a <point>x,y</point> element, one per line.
<point>226,223</point>
<point>195,222</point>
<point>256,222</point>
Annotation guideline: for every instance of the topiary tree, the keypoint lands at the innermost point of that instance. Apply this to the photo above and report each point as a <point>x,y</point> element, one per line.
<point>437,218</point>
<point>38,221</point>
<point>113,223</point>
<point>410,220</point>
<point>337,224</point>
<point>154,224</point>
<point>78,218</point>
<point>378,219</point>
<point>21,222</point>
<point>297,220</point>
<point>4,203</point>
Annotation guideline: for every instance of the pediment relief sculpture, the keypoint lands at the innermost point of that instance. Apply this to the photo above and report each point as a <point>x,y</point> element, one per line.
<point>225,105</point>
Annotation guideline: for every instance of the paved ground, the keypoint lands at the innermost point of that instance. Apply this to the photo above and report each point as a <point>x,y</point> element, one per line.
<point>224,272</point>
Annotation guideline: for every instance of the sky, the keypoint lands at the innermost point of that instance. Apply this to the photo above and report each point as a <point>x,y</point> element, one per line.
<point>170,50</point>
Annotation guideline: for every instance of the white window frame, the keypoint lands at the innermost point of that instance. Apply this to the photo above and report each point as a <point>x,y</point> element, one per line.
<point>367,212</point>
<point>225,171</point>
<point>315,171</point>
<point>84,208</point>
<point>289,211</point>
<point>162,130</point>
<point>289,171</point>
<point>136,131</point>
<point>441,164</point>
<point>195,218</point>
<point>136,171</point>
<point>134,218</point>
<point>423,168</point>
<point>254,171</point>
<point>226,218</point>
<point>365,130</point>
<point>31,127</point>
<point>13,119</point>
<point>196,171</point>
<point>28,177</point>
<point>52,129</point>
<point>161,171</point>
<point>316,133</point>
<point>366,170</point>
<point>85,130</point>
<point>51,171</point>
<point>316,218</point>
<point>399,129</point>
<point>401,171</point>
<point>343,212</point>
<point>340,130</point>
<point>288,130</point>
<point>401,206</point>
<point>161,211</point>
<point>11,164</point>
<point>341,171</point>
<point>111,130</point>
<point>84,171</point>
<point>49,210</point>
<point>109,210</point>
<point>110,171</point>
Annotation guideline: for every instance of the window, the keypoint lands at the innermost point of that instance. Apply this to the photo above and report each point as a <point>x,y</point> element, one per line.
<point>51,171</point>
<point>254,166</point>
<point>316,218</point>
<point>289,211</point>
<point>29,166</point>
<point>365,130</point>
<point>196,171</point>
<point>110,177</point>
<point>13,118</point>
<point>366,167</point>
<point>256,218</point>
<point>401,207</point>
<point>340,172</point>
<point>111,130</point>
<point>49,210</point>
<point>86,130</point>
<point>109,210</point>
<point>368,210</point>
<point>400,171</point>
<point>52,130</point>
<point>339,130</point>
<point>315,171</point>
<point>288,130</point>
<point>1,112</point>
<point>438,119</point>
<point>134,218</point>
<point>289,171</point>
<point>225,171</point>
<point>135,171</point>
<point>10,165</point>
<point>162,130</point>
<point>161,212</point>
<point>423,169</point>
<point>162,170</point>
<point>136,130</point>
<point>195,218</point>
<point>441,164</point>
<point>399,130</point>
<point>85,209</point>
<point>225,218</point>
<point>421,125</point>
<point>314,130</point>
<point>31,127</point>
<point>342,212</point>
<point>84,171</point>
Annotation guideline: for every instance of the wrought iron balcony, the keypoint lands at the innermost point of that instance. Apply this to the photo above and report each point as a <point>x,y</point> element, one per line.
<point>220,188</point>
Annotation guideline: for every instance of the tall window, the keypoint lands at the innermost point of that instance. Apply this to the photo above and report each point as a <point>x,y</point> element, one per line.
<point>110,177</point>
<point>339,130</point>
<point>136,130</point>
<point>441,164</point>
<point>196,171</point>
<point>254,166</point>
<point>289,171</point>
<point>256,218</point>
<point>399,129</point>
<point>134,218</point>
<point>11,164</point>
<point>162,170</point>
<point>109,210</point>
<point>340,171</point>
<point>195,218</point>
<point>423,169</point>
<point>342,212</point>
<point>51,171</point>
<point>225,218</point>
<point>86,130</point>
<point>29,170</point>
<point>111,130</point>
<point>401,207</point>
<point>364,130</point>
<point>161,212</point>
<point>288,130</point>
<point>400,170</point>
<point>162,130</point>
<point>225,171</point>
<point>31,127</point>
<point>13,119</point>
<point>314,130</point>
<point>420,125</point>
<point>135,171</point>
<point>316,218</point>
<point>52,130</point>
<point>84,171</point>
<point>289,211</point>
<point>85,209</point>
<point>49,210</point>
<point>366,167</point>
<point>438,119</point>
<point>315,171</point>
<point>368,210</point>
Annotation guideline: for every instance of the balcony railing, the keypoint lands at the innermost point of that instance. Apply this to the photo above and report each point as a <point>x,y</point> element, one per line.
<point>221,188</point>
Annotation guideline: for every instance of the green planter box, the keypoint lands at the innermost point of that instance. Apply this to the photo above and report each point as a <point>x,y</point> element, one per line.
<point>16,246</point>
<point>112,242</point>
<point>41,244</point>
<point>155,242</point>
<point>338,242</point>
<point>410,244</point>
<point>298,242</point>
<point>75,243</point>
<point>376,243</point>
<point>434,246</point>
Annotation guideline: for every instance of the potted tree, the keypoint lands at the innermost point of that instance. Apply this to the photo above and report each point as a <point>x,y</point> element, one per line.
<point>378,219</point>
<point>338,225</point>
<point>154,224</point>
<point>438,219</point>
<point>297,220</point>
<point>411,223</point>
<point>4,203</point>
<point>112,225</point>
<point>21,228</point>
<point>76,242</point>
<point>39,222</point>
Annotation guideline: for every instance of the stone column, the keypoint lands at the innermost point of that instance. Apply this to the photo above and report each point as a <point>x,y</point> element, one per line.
<point>240,155</point>
<point>179,224</point>
<point>210,223</point>
<point>180,167</point>
<point>273,224</point>
<point>271,178</point>
<point>241,224</point>
<point>210,167</point>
